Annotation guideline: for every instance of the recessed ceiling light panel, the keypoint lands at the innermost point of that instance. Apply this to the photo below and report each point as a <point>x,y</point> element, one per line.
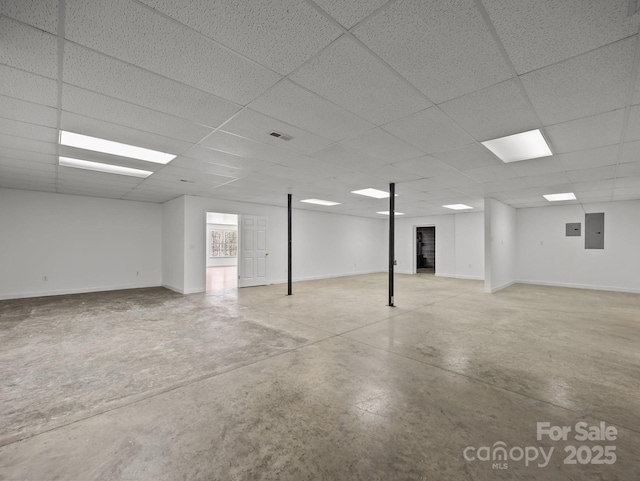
<point>378,194</point>
<point>559,197</point>
<point>320,202</point>
<point>517,147</point>
<point>386,212</point>
<point>457,206</point>
<point>114,148</point>
<point>100,167</point>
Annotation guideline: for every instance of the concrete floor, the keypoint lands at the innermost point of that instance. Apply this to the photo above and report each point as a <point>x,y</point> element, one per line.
<point>329,384</point>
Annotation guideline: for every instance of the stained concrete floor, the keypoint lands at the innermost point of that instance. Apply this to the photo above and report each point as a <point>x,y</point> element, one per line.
<point>329,384</point>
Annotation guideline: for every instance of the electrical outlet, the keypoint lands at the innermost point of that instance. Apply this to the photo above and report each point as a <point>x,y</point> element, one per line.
<point>45,278</point>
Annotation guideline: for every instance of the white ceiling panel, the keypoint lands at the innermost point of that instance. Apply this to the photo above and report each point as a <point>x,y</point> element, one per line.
<point>382,145</point>
<point>7,183</point>
<point>351,12</point>
<point>630,152</point>
<point>28,131</point>
<point>443,48</point>
<point>131,32</point>
<point>495,111</point>
<point>472,156</point>
<point>118,133</point>
<point>390,173</point>
<point>624,182</point>
<point>279,34</point>
<point>542,180</point>
<point>146,197</point>
<point>587,133</point>
<point>104,108</point>
<point>540,33</point>
<point>542,166</point>
<point>633,125</point>
<point>348,75</point>
<point>28,48</point>
<point>181,173</point>
<point>426,166</point>
<point>230,160</point>
<point>357,181</point>
<point>430,130</point>
<point>627,191</point>
<point>419,185</point>
<point>592,83</point>
<point>42,14</point>
<point>347,158</point>
<point>208,168</point>
<point>495,172</point>
<point>28,166</point>
<point>27,86</point>
<point>9,143</point>
<point>256,126</point>
<point>295,105</point>
<point>596,173</point>
<point>26,156</point>
<point>29,112</point>
<point>628,170</point>
<point>293,175</point>
<point>244,147</point>
<point>99,73</point>
<point>78,177</point>
<point>319,168</point>
<point>588,159</point>
<point>454,181</point>
<point>592,185</point>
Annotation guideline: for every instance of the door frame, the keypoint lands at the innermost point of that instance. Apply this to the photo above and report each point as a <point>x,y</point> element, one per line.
<point>206,253</point>
<point>415,247</point>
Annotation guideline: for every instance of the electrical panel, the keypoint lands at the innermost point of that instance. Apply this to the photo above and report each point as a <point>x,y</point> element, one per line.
<point>594,231</point>
<point>574,229</point>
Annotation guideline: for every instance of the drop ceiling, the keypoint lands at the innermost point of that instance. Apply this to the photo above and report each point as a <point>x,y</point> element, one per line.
<point>369,91</point>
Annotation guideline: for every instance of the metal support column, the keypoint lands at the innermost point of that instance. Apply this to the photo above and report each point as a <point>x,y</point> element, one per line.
<point>289,288</point>
<point>392,223</point>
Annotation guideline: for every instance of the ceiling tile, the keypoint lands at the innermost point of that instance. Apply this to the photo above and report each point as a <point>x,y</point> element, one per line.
<point>29,166</point>
<point>473,156</point>
<point>90,104</point>
<point>293,175</point>
<point>586,133</point>
<point>597,173</point>
<point>547,31</point>
<point>426,166</point>
<point>256,126</point>
<point>27,145</point>
<point>199,176</point>
<point>391,173</point>
<point>592,185</point>
<point>108,76</point>
<point>628,170</point>
<point>29,112</point>
<point>24,184</point>
<point>41,14</point>
<point>347,158</point>
<point>118,133</point>
<point>23,155</point>
<point>135,34</point>
<point>633,125</point>
<point>630,152</point>
<point>382,145</point>
<point>28,131</point>
<point>297,106</point>
<point>358,180</point>
<point>454,180</point>
<point>244,147</point>
<point>430,130</point>
<point>279,34</point>
<point>622,182</point>
<point>545,165</point>
<point>27,86</point>
<point>319,168</point>
<point>592,83</point>
<point>208,168</point>
<point>28,48</point>
<point>223,158</point>
<point>541,180</point>
<point>146,197</point>
<point>350,13</point>
<point>587,159</point>
<point>495,172</point>
<point>443,48</point>
<point>348,75</point>
<point>495,111</point>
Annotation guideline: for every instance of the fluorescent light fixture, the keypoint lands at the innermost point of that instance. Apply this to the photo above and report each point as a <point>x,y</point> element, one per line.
<point>558,197</point>
<point>522,146</point>
<point>100,167</point>
<point>378,194</point>
<point>386,212</point>
<point>457,206</point>
<point>320,202</point>
<point>114,148</point>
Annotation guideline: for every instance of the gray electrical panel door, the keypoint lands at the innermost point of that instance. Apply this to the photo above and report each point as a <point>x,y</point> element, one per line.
<point>594,231</point>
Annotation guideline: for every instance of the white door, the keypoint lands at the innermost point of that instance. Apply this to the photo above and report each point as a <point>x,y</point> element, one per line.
<point>252,264</point>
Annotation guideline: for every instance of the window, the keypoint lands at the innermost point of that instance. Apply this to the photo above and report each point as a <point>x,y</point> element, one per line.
<point>224,243</point>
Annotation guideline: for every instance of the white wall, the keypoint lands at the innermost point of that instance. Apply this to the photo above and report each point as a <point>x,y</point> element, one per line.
<point>500,245</point>
<point>459,244</point>
<point>546,256</point>
<point>173,216</point>
<point>81,244</point>
<point>324,244</point>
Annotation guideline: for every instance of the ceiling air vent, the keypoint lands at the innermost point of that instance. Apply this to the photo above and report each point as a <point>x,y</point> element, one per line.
<point>280,136</point>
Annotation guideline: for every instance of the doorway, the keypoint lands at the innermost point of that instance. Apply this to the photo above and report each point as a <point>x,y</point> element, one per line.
<point>426,250</point>
<point>222,251</point>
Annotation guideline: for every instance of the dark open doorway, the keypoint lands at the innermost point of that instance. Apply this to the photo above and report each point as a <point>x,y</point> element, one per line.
<point>426,250</point>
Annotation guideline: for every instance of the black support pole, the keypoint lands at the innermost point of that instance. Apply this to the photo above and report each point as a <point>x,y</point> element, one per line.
<point>289,288</point>
<point>392,227</point>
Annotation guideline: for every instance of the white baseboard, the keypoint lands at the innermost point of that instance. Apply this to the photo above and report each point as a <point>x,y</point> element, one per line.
<point>471,278</point>
<point>174,289</point>
<point>499,288</point>
<point>580,286</point>
<point>82,290</point>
